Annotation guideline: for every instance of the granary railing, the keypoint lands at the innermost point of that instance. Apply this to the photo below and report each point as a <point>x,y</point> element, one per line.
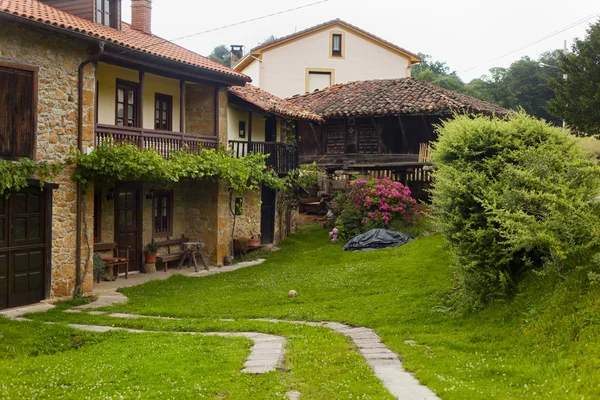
<point>164,142</point>
<point>283,157</point>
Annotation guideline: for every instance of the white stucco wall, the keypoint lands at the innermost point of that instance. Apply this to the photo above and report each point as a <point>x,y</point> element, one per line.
<point>284,67</point>
<point>253,71</point>
<point>235,115</point>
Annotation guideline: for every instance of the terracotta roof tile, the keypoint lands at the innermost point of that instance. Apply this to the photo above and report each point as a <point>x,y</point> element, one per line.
<point>390,97</point>
<point>271,103</point>
<point>127,37</point>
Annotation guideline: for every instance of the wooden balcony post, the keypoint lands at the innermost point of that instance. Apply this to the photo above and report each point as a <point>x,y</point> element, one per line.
<point>182,106</point>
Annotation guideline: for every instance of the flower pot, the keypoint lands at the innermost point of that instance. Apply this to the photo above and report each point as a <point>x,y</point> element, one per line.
<point>253,242</point>
<point>150,258</point>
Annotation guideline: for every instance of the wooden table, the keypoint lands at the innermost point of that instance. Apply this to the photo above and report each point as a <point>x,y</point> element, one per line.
<point>189,253</point>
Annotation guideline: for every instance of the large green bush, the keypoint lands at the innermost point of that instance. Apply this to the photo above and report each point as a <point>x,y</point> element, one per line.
<point>513,195</point>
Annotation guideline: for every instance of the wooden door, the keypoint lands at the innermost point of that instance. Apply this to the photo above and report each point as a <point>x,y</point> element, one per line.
<point>267,215</point>
<point>22,248</point>
<point>128,225</point>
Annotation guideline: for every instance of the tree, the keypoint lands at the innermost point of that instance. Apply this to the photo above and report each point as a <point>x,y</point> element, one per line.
<point>268,40</point>
<point>577,98</point>
<point>221,54</point>
<point>437,72</point>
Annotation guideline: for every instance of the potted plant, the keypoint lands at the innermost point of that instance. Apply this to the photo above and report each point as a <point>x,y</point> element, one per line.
<point>99,267</point>
<point>150,252</point>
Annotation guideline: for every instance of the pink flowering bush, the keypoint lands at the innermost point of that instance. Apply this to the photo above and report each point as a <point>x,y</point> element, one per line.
<point>381,200</point>
<point>374,203</point>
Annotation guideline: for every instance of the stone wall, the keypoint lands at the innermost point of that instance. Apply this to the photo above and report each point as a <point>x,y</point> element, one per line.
<point>199,109</point>
<point>58,60</point>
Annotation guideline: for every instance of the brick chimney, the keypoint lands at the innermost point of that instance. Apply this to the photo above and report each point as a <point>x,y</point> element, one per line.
<point>141,15</point>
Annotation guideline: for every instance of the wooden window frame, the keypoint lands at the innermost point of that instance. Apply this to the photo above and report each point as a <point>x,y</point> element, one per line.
<point>97,215</point>
<point>112,13</point>
<point>137,120</point>
<point>342,53</point>
<point>160,97</point>
<point>170,213</point>
<point>35,72</point>
<point>242,129</point>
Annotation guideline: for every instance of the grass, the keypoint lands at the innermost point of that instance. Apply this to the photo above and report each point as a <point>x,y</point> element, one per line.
<point>541,344</point>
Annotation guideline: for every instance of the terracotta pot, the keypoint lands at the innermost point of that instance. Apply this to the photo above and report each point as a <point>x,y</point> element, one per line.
<point>150,258</point>
<point>253,242</point>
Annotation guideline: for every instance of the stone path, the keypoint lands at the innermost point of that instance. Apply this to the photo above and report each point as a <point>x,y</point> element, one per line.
<point>265,355</point>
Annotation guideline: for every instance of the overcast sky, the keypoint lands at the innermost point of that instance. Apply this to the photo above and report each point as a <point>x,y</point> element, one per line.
<point>464,33</point>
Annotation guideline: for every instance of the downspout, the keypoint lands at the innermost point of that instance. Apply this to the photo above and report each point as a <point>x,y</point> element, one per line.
<point>94,58</point>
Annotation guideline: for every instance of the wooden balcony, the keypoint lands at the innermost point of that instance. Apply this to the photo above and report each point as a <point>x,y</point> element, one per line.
<point>164,142</point>
<point>283,157</point>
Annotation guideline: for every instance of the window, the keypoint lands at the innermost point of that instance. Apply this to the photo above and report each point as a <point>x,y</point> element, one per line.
<point>162,214</point>
<point>98,216</point>
<point>163,112</point>
<point>336,45</point>
<point>127,104</point>
<point>18,103</point>
<point>318,79</point>
<point>242,129</point>
<point>106,13</point>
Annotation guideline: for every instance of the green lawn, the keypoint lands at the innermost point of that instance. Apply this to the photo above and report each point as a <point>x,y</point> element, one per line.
<point>542,344</point>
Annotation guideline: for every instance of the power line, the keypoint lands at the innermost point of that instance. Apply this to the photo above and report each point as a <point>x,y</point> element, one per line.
<point>229,26</point>
<point>581,21</point>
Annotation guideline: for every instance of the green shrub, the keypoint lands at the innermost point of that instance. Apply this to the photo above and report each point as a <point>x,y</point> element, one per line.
<point>511,196</point>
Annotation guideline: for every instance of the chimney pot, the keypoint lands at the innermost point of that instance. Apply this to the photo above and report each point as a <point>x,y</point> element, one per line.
<point>141,15</point>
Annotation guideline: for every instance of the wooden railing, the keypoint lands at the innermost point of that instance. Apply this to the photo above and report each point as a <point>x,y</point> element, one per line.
<point>164,142</point>
<point>282,158</point>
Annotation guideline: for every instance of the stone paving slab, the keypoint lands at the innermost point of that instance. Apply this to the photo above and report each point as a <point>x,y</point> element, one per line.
<point>17,312</point>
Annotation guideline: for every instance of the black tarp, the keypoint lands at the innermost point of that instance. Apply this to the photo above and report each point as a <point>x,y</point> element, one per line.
<point>377,239</point>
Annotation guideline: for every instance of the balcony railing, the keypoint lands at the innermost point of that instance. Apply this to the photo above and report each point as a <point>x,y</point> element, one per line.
<point>164,142</point>
<point>282,158</point>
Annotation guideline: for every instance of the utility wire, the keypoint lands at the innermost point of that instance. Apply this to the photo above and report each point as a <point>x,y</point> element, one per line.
<point>162,41</point>
<point>581,21</point>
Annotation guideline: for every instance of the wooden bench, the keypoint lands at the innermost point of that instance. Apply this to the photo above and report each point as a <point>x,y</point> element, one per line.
<point>172,255</point>
<point>117,258</point>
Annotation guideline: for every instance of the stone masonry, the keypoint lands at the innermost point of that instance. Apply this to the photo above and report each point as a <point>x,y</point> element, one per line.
<point>58,60</point>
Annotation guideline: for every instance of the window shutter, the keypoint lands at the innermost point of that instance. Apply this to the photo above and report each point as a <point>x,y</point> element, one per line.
<point>6,83</point>
<point>24,129</point>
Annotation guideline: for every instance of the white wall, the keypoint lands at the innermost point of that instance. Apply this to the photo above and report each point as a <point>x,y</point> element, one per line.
<point>253,71</point>
<point>235,115</point>
<point>284,67</point>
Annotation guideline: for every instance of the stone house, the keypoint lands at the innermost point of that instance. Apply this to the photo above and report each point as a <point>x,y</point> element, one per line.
<point>73,76</point>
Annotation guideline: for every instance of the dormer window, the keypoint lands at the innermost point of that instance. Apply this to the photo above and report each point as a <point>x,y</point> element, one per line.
<point>106,13</point>
<point>336,45</point>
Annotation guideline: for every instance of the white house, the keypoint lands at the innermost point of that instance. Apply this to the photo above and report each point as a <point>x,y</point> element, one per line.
<point>321,56</point>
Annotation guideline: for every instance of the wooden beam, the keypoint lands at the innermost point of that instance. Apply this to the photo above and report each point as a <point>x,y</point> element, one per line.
<point>404,135</point>
<point>249,126</point>
<point>140,104</point>
<point>182,106</point>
